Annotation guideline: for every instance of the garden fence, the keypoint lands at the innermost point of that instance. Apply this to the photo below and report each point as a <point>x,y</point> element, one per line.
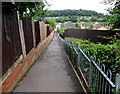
<point>92,35</point>
<point>11,44</point>
<point>19,37</point>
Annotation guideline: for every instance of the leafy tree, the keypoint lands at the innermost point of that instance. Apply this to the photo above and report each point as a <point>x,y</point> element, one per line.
<point>68,12</point>
<point>62,20</point>
<point>73,19</point>
<point>114,18</point>
<point>93,19</point>
<point>51,22</point>
<point>91,26</point>
<point>77,25</point>
<point>26,9</point>
<point>83,20</point>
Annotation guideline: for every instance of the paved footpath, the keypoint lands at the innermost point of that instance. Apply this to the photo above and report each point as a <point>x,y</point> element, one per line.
<point>50,73</point>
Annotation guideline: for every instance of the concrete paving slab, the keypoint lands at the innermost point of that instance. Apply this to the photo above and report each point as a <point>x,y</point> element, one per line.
<point>50,73</point>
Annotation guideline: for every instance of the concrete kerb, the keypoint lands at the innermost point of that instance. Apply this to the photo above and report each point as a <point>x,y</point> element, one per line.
<point>27,63</point>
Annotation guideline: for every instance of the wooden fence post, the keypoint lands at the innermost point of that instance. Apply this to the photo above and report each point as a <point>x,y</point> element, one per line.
<point>33,29</point>
<point>21,36</point>
<point>43,30</point>
<point>37,32</point>
<point>0,39</point>
<point>29,33</point>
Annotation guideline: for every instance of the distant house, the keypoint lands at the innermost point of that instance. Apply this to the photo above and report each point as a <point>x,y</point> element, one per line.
<point>84,25</point>
<point>68,25</point>
<point>100,27</point>
<point>97,26</point>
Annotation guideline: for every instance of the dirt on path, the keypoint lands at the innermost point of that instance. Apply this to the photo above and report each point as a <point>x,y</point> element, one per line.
<point>50,73</point>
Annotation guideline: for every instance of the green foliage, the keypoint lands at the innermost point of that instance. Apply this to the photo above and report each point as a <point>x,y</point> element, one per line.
<point>8,37</point>
<point>114,19</point>
<point>93,19</point>
<point>68,12</point>
<point>108,54</point>
<point>61,30</point>
<point>76,19</point>
<point>73,19</point>
<point>51,22</point>
<point>77,25</point>
<point>61,20</point>
<point>26,9</point>
<point>90,26</point>
<point>83,20</point>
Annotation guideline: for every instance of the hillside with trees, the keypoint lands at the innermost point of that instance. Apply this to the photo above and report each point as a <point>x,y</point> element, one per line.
<point>69,12</point>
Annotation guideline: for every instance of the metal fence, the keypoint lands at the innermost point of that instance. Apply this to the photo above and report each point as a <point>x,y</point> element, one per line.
<point>95,75</point>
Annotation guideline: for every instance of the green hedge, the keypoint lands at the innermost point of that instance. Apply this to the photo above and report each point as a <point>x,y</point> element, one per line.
<point>108,54</point>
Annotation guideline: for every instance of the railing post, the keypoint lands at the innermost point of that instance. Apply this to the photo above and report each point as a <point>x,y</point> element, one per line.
<point>79,54</point>
<point>90,73</point>
<point>117,83</point>
<point>78,59</point>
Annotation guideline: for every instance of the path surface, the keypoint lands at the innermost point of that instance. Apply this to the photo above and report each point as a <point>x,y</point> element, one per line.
<point>50,73</point>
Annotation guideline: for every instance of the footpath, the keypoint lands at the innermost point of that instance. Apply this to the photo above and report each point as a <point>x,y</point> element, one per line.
<point>51,72</point>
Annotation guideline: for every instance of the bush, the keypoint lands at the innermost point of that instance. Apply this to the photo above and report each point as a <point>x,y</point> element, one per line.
<point>61,30</point>
<point>108,54</point>
<point>51,22</point>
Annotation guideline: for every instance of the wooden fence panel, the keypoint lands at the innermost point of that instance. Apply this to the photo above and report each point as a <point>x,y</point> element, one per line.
<point>28,33</point>
<point>11,44</point>
<point>0,40</point>
<point>37,32</point>
<point>43,30</point>
<point>92,35</point>
<point>48,30</point>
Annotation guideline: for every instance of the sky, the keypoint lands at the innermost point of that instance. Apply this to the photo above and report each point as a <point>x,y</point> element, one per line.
<point>79,4</point>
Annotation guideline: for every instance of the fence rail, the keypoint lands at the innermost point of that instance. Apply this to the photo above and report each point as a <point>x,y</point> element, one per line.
<point>96,76</point>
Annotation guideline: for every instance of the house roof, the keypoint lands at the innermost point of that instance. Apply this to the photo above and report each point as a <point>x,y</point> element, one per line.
<point>97,25</point>
<point>85,24</point>
<point>68,24</point>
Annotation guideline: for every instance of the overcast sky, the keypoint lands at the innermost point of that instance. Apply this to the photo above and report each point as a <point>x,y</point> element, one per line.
<point>78,4</point>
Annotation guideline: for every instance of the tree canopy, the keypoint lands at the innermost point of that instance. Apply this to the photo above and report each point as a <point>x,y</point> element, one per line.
<point>26,9</point>
<point>114,17</point>
<point>68,12</point>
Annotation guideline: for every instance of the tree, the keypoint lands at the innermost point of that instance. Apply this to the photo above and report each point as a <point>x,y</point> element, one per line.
<point>77,25</point>
<point>50,21</point>
<point>93,19</point>
<point>62,20</point>
<point>90,26</point>
<point>26,9</point>
<point>73,19</point>
<point>114,18</point>
<point>68,12</point>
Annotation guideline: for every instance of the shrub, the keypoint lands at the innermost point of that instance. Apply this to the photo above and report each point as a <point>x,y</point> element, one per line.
<point>108,54</point>
<point>51,22</point>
